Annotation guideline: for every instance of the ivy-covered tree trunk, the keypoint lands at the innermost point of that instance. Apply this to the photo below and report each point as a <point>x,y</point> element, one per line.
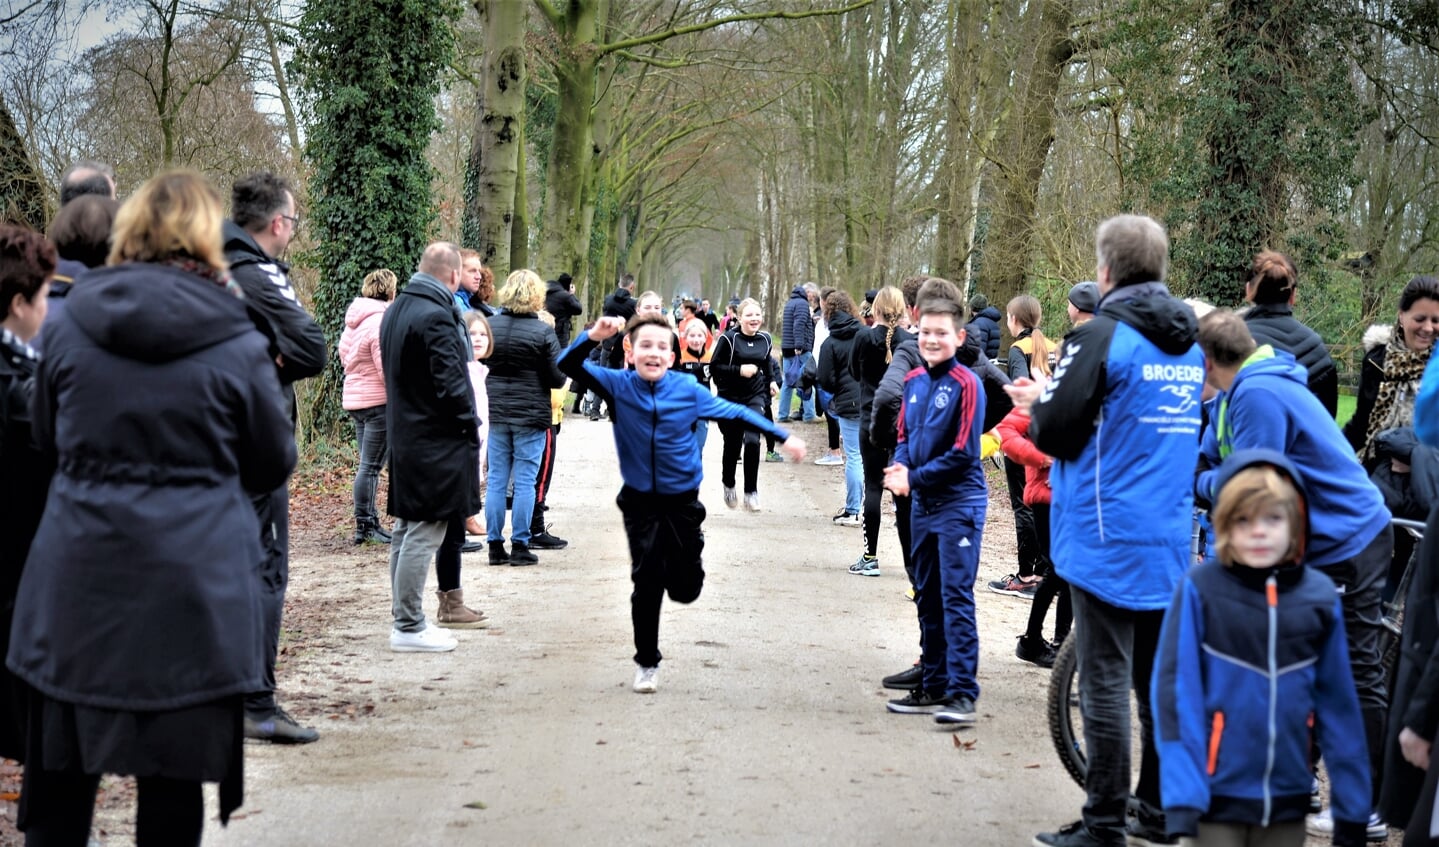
<point>494,158</point>
<point>370,71</point>
<point>22,189</point>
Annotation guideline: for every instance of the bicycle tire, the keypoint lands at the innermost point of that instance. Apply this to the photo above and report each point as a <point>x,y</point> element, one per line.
<point>1062,707</point>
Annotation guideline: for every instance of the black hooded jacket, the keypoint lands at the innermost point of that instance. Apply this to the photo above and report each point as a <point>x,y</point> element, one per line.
<point>161,408</point>
<point>565,306</point>
<point>985,326</point>
<point>834,358</point>
<point>1275,324</point>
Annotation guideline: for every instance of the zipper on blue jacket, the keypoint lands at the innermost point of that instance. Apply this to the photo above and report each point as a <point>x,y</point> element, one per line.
<point>654,427</point>
<point>1271,597</point>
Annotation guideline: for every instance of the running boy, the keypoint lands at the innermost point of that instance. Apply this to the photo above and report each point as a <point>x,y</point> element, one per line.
<point>657,413</point>
<point>1252,666</point>
<point>937,462</point>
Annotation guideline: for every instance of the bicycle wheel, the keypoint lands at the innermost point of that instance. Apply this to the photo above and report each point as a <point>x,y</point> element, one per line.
<point>1065,725</point>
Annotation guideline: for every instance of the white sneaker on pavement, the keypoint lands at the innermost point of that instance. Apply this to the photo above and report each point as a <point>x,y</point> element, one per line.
<point>829,459</point>
<point>645,680</point>
<point>431,639</point>
<point>751,501</point>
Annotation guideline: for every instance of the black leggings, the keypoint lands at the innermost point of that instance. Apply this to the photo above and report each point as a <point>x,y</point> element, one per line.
<point>1052,587</point>
<point>874,459</point>
<point>736,437</point>
<point>447,558</point>
<point>60,807</point>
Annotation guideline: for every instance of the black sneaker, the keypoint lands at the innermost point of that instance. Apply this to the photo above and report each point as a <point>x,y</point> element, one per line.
<point>545,541</point>
<point>1076,835</point>
<point>472,546</point>
<point>498,556</point>
<point>919,702</point>
<point>1142,832</point>
<point>1036,651</point>
<point>960,712</point>
<point>905,680</point>
<point>520,555</point>
<point>278,728</point>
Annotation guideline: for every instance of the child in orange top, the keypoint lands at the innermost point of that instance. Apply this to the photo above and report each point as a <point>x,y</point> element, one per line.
<point>1014,441</point>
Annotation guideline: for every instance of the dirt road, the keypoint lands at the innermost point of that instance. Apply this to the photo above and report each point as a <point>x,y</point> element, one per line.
<point>769,726</point>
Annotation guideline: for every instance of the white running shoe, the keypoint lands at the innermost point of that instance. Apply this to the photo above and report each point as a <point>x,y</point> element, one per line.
<point>751,501</point>
<point>646,681</point>
<point>1322,825</point>
<point>431,639</point>
<point>847,519</point>
<point>731,499</point>
<point>829,459</point>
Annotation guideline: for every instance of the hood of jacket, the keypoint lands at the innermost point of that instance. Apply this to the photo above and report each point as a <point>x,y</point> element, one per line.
<point>799,293</point>
<point>990,312</point>
<point>1168,323</point>
<point>155,313</point>
<point>844,326</point>
<point>1255,456</point>
<point>1377,336</point>
<point>362,308</point>
<point>1266,360</point>
<point>241,249</point>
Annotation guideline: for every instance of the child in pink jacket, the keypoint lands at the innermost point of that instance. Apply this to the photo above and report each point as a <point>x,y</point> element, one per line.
<point>364,397</point>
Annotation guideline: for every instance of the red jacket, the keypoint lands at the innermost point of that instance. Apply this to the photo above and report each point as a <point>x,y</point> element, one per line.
<point>1014,441</point>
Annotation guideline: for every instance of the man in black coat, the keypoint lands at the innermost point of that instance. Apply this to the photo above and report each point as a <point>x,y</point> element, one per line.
<point>262,223</point>
<point>434,437</point>
<point>560,301</point>
<point>621,304</point>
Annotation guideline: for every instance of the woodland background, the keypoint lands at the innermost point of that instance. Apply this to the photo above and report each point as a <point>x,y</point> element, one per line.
<point>740,148</point>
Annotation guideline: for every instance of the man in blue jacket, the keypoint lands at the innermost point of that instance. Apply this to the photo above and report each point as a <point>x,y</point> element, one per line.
<point>1267,403</point>
<point>660,466</point>
<point>1121,418</point>
<point>796,344</point>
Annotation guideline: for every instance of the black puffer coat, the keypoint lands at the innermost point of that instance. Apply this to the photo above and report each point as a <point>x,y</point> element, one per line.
<point>430,405</point>
<point>160,404</point>
<point>985,325</point>
<point>1275,324</point>
<point>523,369</point>
<point>834,372</point>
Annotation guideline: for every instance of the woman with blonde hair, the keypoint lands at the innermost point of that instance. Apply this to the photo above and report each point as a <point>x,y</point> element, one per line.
<point>869,359</point>
<point>364,396</point>
<point>148,526</point>
<point>522,373</point>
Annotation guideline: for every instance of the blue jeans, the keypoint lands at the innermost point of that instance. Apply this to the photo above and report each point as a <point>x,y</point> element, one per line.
<point>514,452</point>
<point>853,465</point>
<point>793,373</point>
<point>374,445</point>
<point>946,539</point>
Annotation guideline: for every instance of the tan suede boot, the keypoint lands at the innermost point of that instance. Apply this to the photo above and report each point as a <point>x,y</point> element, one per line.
<point>454,614</point>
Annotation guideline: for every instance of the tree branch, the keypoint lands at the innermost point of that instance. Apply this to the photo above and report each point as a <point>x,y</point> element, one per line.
<point>656,37</point>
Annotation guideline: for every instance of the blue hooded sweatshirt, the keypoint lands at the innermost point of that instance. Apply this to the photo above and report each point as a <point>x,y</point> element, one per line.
<point>1252,670</point>
<point>1269,405</point>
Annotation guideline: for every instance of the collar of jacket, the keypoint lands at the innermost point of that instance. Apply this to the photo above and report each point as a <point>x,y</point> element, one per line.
<point>1221,426</point>
<point>428,286</point>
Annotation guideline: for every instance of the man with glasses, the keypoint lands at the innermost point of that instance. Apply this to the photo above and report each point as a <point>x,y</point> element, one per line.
<point>262,223</point>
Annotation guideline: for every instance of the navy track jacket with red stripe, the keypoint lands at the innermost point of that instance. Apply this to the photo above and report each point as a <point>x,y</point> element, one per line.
<point>939,429</point>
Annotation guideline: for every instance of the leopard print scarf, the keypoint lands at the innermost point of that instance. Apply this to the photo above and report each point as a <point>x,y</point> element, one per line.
<point>1394,405</point>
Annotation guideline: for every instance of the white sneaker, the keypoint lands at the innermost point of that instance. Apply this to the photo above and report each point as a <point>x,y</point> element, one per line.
<point>645,680</point>
<point>431,639</point>
<point>751,501</point>
<point>829,459</point>
<point>731,499</point>
<point>847,519</point>
<point>1322,825</point>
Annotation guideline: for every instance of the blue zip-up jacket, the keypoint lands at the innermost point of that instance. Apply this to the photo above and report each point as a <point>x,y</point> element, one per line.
<point>1252,670</point>
<point>655,421</point>
<point>1121,418</point>
<point>939,429</point>
<point>1270,406</point>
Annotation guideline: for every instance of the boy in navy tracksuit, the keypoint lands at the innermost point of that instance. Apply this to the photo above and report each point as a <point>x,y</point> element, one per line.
<point>656,413</point>
<point>937,462</point>
<point>1252,670</point>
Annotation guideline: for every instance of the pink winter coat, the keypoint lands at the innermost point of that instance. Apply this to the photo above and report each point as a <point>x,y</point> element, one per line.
<point>360,354</point>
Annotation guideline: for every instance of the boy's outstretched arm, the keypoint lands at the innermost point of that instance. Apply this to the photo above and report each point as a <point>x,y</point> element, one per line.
<point>575,363</point>
<point>718,409</point>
